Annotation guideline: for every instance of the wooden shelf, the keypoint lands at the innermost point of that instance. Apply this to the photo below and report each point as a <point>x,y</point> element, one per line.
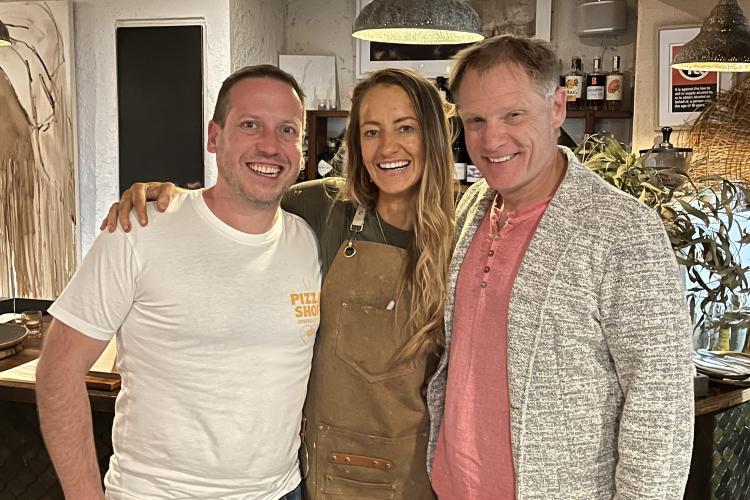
<point>599,114</point>
<point>317,134</point>
<point>330,113</point>
<point>591,115</point>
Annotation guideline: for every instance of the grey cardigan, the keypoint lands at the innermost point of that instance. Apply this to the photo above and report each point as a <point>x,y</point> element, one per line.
<point>599,348</point>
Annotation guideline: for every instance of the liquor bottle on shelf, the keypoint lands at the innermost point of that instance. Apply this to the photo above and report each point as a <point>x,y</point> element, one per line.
<point>460,159</point>
<point>326,160</point>
<point>614,86</point>
<point>303,172</point>
<point>460,156</point>
<point>574,84</point>
<point>473,174</point>
<point>441,83</point>
<point>595,82</point>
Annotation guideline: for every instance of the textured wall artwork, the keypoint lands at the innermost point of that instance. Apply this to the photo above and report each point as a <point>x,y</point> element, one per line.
<point>317,77</point>
<point>507,16</point>
<point>37,150</point>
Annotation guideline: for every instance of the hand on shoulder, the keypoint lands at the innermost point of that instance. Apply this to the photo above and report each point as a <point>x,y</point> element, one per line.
<point>134,199</point>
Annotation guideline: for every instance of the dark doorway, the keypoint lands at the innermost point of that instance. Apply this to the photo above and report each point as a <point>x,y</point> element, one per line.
<point>160,104</point>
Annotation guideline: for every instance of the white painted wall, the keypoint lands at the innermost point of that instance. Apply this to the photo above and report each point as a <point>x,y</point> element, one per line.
<point>568,45</point>
<point>96,75</point>
<point>324,27</point>
<point>257,31</point>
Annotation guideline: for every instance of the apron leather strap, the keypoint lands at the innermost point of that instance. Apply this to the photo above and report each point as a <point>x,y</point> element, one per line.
<point>358,222</point>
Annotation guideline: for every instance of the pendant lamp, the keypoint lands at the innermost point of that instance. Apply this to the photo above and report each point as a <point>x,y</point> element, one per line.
<point>418,22</point>
<point>723,43</point>
<point>4,35</point>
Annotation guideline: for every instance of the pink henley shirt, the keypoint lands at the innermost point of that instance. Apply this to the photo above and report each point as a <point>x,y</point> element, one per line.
<point>473,457</point>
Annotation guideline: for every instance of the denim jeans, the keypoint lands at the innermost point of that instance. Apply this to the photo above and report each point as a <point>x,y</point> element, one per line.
<point>295,494</point>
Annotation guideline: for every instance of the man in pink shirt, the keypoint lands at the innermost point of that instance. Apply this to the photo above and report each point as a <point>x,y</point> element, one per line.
<point>567,333</point>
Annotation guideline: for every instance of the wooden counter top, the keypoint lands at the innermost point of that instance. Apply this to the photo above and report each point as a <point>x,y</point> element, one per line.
<point>25,393</point>
<point>722,397</point>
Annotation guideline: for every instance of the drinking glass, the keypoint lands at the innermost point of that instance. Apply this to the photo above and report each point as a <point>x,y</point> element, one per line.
<point>32,320</point>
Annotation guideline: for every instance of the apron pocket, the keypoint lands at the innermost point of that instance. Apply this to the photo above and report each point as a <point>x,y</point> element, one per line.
<point>367,339</point>
<point>350,488</point>
<point>398,460</point>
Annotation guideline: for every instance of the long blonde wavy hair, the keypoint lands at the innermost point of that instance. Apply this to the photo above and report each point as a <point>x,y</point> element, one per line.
<point>423,280</point>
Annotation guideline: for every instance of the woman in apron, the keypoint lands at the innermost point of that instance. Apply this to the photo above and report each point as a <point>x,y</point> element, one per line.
<point>385,233</point>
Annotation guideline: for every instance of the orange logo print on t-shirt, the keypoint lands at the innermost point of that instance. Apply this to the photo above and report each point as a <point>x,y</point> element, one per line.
<point>307,312</point>
<point>306,304</point>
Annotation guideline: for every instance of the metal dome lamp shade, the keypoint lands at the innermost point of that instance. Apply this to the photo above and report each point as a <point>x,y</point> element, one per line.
<point>4,35</point>
<point>723,43</point>
<point>418,22</point>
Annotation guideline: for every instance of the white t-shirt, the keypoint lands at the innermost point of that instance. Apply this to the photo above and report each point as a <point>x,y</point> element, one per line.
<point>215,338</point>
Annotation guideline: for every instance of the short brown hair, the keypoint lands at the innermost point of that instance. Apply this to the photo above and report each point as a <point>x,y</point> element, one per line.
<point>258,71</point>
<point>533,55</point>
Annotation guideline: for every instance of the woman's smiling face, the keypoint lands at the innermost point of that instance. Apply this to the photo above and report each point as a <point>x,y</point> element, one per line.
<point>391,139</point>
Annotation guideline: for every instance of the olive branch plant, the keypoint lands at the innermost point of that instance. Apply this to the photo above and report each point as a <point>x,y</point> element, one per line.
<point>704,218</point>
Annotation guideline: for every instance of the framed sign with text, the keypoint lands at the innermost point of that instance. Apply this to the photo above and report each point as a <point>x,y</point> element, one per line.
<point>683,93</point>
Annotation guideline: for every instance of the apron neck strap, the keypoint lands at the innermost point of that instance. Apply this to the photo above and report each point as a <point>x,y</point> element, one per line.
<point>358,222</point>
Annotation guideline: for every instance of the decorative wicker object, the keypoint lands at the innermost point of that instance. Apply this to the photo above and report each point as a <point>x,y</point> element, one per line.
<point>720,136</point>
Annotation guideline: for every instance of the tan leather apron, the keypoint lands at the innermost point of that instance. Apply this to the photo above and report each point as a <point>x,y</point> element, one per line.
<point>366,422</point>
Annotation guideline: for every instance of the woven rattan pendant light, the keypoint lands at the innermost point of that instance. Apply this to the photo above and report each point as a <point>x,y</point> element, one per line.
<point>418,22</point>
<point>4,35</point>
<point>723,43</point>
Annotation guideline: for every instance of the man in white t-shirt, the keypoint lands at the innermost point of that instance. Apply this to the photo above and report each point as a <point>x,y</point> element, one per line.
<point>215,306</point>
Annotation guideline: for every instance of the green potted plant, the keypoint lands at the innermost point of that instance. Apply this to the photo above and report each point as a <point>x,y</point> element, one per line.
<point>704,219</point>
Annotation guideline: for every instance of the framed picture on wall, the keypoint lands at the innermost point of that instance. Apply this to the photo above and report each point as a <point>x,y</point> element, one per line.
<point>683,93</point>
<point>523,17</point>
<point>38,150</point>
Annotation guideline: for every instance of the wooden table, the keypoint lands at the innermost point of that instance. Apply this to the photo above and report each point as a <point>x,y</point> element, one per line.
<point>25,393</point>
<point>721,398</point>
<point>26,472</point>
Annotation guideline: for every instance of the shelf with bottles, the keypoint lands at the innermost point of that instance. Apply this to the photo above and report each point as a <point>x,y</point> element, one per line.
<point>317,133</point>
<point>595,95</point>
<point>464,172</point>
<point>592,115</point>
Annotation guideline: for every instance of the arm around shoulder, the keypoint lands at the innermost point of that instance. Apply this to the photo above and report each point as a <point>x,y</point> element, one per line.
<point>64,409</point>
<point>313,200</point>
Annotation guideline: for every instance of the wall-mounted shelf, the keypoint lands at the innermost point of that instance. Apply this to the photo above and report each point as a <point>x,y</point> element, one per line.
<point>317,134</point>
<point>591,116</point>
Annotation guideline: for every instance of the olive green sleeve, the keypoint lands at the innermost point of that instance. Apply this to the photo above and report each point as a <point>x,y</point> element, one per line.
<point>313,201</point>
<point>316,202</point>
